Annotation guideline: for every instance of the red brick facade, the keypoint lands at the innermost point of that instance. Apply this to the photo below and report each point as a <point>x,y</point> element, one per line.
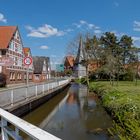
<point>14,49</point>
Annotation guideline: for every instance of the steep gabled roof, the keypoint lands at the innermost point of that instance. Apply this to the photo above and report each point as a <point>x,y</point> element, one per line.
<point>81,53</point>
<point>26,51</point>
<point>6,34</point>
<point>70,60</point>
<point>38,62</point>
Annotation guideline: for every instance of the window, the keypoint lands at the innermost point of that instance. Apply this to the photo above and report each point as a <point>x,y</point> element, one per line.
<point>3,52</point>
<point>11,46</point>
<point>20,76</point>
<point>25,76</point>
<point>11,76</point>
<point>36,77</point>
<point>30,76</point>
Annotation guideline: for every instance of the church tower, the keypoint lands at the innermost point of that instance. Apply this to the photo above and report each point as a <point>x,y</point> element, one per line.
<point>80,70</point>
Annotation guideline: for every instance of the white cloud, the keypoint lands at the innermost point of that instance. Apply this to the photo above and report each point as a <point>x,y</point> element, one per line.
<point>44,47</point>
<point>53,55</point>
<point>136,26</point>
<point>85,24</point>
<point>29,27</point>
<point>136,38</point>
<point>2,18</point>
<point>69,30</point>
<point>97,31</point>
<point>36,34</point>
<point>44,31</point>
<point>118,34</point>
<point>136,41</point>
<point>116,4</point>
<point>77,25</point>
<point>91,26</point>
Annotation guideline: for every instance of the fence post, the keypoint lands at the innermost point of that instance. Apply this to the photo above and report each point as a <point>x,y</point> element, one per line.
<point>4,134</point>
<point>26,93</point>
<point>36,90</point>
<point>17,131</point>
<point>12,97</point>
<point>48,86</point>
<point>43,88</point>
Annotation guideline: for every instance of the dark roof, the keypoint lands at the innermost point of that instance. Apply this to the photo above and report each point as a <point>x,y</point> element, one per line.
<point>6,34</point>
<point>38,62</point>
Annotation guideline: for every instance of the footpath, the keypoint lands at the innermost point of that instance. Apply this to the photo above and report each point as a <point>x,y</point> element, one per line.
<point>29,84</point>
<point>20,98</point>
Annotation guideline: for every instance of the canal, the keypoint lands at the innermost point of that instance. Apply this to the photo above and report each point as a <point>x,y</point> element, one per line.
<point>72,115</point>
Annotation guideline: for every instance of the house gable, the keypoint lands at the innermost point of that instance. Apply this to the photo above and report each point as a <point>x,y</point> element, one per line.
<point>6,34</point>
<point>15,49</point>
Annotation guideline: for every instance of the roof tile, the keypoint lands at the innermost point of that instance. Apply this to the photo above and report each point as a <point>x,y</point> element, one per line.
<point>6,34</point>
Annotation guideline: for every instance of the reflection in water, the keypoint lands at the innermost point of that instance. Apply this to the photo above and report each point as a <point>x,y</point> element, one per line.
<point>73,115</point>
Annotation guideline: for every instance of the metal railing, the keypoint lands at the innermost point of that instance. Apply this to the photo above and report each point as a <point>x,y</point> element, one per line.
<point>12,96</point>
<point>32,131</point>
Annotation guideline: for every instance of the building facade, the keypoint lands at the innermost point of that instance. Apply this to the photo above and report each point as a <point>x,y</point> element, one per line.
<point>11,46</point>
<point>41,68</point>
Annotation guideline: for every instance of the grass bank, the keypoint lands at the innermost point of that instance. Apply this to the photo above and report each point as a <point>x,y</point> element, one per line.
<point>123,103</point>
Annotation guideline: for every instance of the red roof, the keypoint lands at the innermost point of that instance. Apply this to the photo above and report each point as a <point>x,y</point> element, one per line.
<point>70,60</point>
<point>26,51</point>
<point>6,34</point>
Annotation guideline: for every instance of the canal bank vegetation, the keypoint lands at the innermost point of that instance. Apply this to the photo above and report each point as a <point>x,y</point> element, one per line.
<point>109,57</point>
<point>115,60</point>
<point>123,103</point>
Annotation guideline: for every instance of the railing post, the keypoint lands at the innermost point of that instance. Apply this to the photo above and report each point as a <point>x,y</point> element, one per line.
<point>4,134</point>
<point>8,133</point>
<point>26,93</point>
<point>36,90</point>
<point>48,86</point>
<point>17,131</point>
<point>43,88</point>
<point>12,97</point>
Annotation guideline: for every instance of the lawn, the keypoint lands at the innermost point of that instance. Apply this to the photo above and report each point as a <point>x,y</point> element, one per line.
<point>123,103</point>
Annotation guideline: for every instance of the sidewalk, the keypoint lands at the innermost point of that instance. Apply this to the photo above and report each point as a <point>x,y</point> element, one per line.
<point>19,84</point>
<point>24,84</point>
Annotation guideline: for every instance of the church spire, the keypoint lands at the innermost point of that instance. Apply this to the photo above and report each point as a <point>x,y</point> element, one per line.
<point>80,54</point>
<point>80,70</point>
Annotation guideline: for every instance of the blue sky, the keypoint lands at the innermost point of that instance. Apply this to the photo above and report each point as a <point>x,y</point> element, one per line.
<point>47,26</point>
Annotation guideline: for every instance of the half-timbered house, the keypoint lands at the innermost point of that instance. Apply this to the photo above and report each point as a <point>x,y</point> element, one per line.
<point>11,46</point>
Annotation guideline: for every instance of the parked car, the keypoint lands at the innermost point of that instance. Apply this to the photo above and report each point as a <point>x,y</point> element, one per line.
<point>2,80</point>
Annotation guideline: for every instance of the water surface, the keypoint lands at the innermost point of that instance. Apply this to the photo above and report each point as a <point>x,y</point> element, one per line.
<point>73,114</point>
